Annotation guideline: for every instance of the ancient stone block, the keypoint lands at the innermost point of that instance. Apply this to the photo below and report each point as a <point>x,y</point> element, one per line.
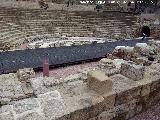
<point>132,71</point>
<point>54,109</point>
<point>25,105</point>
<point>25,74</point>
<point>85,106</point>
<point>99,82</point>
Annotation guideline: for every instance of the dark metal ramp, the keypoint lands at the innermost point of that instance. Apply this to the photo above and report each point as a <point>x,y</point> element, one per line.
<point>11,61</point>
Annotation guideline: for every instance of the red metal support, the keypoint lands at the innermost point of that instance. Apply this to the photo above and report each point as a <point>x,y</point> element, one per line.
<point>46,68</point>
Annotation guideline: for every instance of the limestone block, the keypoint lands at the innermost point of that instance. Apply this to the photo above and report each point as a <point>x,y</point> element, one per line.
<point>125,88</point>
<point>25,74</point>
<point>99,82</point>
<point>55,109</point>
<point>132,71</point>
<point>83,107</point>
<point>25,105</point>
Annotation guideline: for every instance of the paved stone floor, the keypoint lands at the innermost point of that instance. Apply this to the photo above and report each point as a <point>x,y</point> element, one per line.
<point>151,114</point>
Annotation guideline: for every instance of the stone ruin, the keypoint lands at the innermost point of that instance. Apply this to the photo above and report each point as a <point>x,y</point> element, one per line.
<point>115,89</point>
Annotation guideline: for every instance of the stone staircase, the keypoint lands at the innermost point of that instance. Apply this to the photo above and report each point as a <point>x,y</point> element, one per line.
<point>26,22</point>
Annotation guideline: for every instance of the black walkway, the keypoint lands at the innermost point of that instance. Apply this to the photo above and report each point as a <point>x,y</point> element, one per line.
<point>11,61</point>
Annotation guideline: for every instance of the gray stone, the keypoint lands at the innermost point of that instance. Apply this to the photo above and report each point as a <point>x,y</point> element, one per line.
<point>31,116</point>
<point>50,95</point>
<point>25,105</point>
<point>6,112</point>
<point>38,86</point>
<point>54,109</point>
<point>132,71</point>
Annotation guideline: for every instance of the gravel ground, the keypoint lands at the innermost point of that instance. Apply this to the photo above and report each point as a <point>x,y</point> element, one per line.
<point>66,71</point>
<point>151,114</point>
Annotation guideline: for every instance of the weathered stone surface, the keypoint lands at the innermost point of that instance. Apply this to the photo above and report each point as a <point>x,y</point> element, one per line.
<point>84,72</point>
<point>54,109</point>
<point>10,89</point>
<point>25,105</point>
<point>109,100</point>
<point>126,89</point>
<point>73,77</point>
<point>99,82</point>
<point>143,61</point>
<point>118,62</point>
<point>31,116</point>
<point>106,63</point>
<point>143,49</point>
<point>6,108</point>
<point>124,52</point>
<point>25,74</point>
<point>6,116</point>
<point>38,86</point>
<point>6,112</point>
<point>132,71</point>
<point>51,81</point>
<point>85,106</point>
<point>108,67</point>
<point>50,95</point>
<point>106,115</point>
<point>27,89</point>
